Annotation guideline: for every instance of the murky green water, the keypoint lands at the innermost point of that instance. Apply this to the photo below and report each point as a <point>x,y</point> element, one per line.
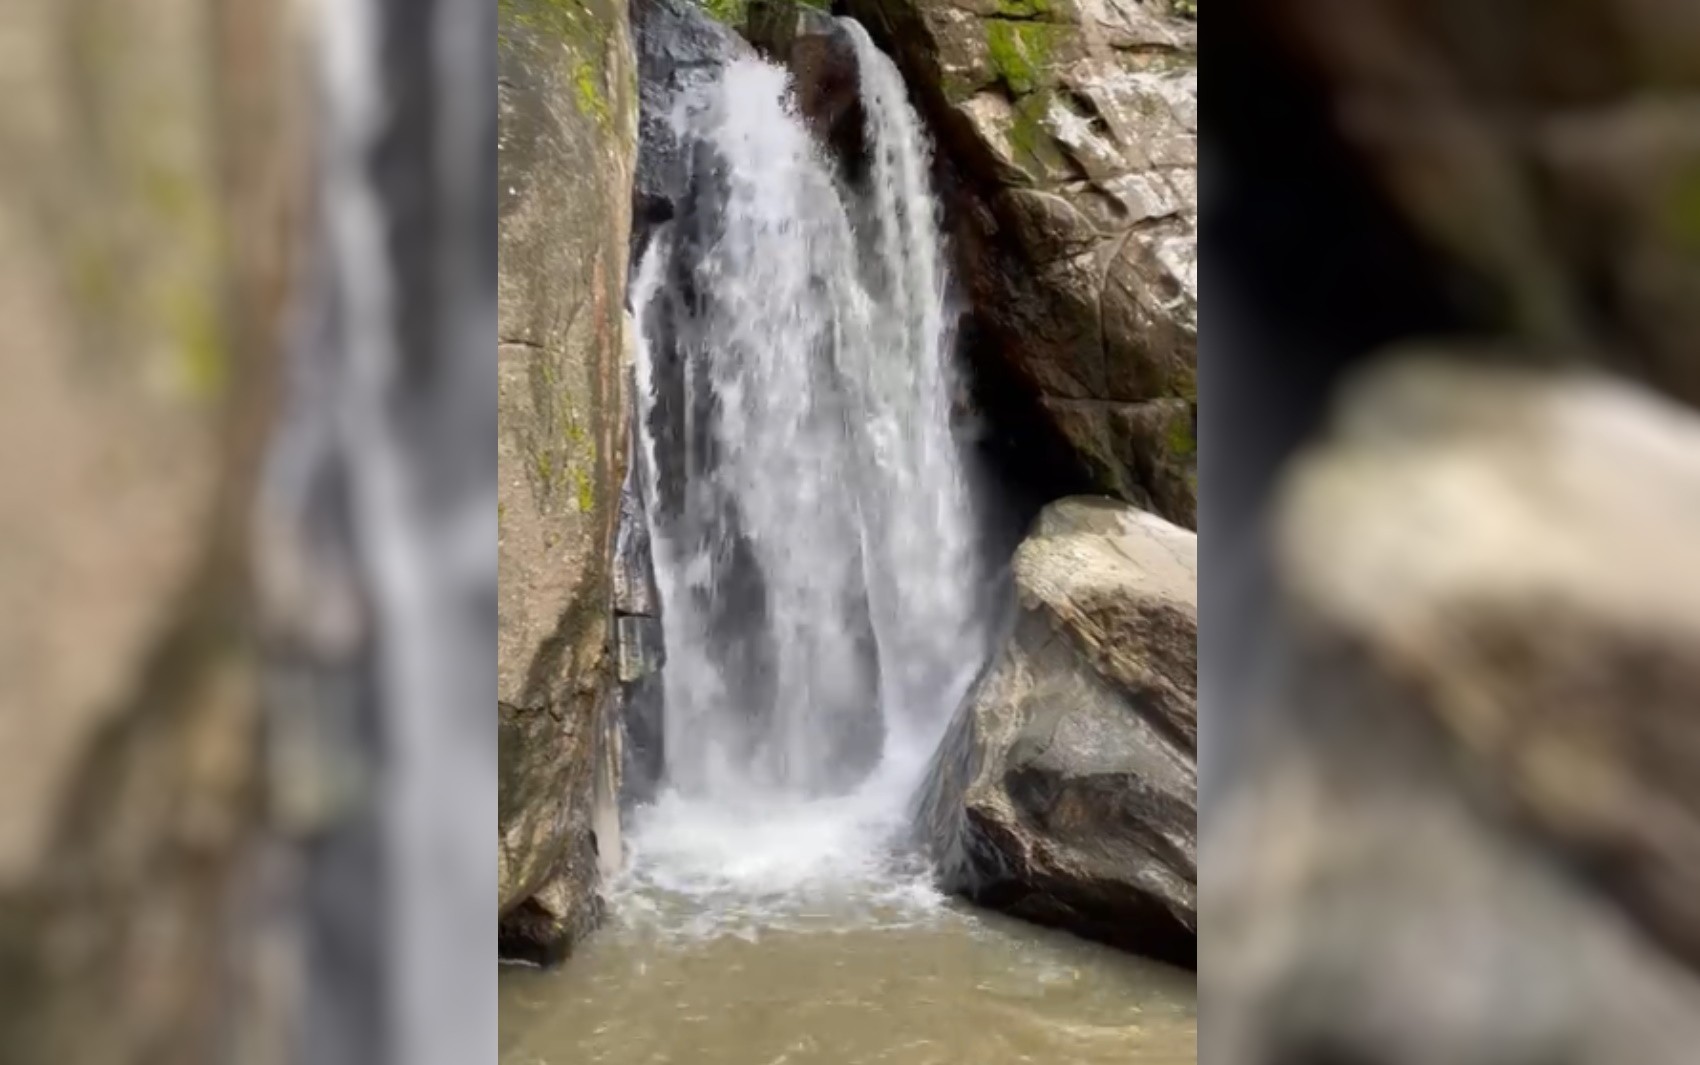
<point>680,981</point>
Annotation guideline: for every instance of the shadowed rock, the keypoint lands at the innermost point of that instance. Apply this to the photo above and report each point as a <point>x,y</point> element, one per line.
<point>1069,136</point>
<point>1553,149</point>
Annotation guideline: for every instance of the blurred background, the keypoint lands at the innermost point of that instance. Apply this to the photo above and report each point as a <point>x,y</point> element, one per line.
<point>247,405</point>
<point>1450,470</point>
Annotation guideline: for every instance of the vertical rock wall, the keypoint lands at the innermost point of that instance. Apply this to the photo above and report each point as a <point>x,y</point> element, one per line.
<point>567,141</point>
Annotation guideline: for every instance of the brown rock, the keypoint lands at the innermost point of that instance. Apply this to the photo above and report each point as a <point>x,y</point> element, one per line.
<point>567,140</point>
<point>136,359</point>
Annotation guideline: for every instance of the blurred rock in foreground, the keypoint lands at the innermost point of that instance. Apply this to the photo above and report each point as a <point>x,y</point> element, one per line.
<point>1471,833</point>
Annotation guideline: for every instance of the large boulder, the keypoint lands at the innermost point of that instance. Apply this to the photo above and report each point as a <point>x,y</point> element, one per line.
<point>1070,135</point>
<point>1066,789</point>
<point>566,144</point>
<point>1470,830</point>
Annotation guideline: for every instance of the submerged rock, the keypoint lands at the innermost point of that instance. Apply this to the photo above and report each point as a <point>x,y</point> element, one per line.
<point>566,145</point>
<point>1070,133</point>
<point>1469,827</point>
<point>1066,789</point>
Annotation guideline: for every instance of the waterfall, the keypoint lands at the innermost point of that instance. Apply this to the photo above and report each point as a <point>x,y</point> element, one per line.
<point>813,536</point>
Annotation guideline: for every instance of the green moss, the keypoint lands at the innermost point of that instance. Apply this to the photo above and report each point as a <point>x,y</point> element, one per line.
<point>1020,51</point>
<point>1179,440</point>
<point>730,12</point>
<point>588,93</point>
<point>1187,9</point>
<point>556,18</point>
<point>1185,384</point>
<point>957,88</point>
<point>543,465</point>
<point>578,24</point>
<point>586,492</point>
<point>1035,151</point>
<point>1683,211</point>
<point>1022,8</point>
<point>170,196</point>
<point>199,339</point>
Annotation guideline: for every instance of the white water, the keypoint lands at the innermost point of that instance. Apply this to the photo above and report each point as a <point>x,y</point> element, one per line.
<point>822,329</point>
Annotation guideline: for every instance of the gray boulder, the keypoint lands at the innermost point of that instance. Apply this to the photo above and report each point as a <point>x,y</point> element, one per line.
<point>1066,789</point>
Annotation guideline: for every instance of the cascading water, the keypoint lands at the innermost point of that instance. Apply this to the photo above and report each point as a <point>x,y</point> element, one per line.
<point>815,554</point>
<point>813,535</point>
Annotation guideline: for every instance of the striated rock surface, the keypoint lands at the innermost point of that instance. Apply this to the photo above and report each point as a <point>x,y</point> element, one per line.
<point>1066,789</point>
<point>1069,131</point>
<point>567,141</point>
<point>1472,829</point>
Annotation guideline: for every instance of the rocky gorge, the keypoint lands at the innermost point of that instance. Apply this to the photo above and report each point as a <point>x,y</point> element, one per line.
<point>781,394</point>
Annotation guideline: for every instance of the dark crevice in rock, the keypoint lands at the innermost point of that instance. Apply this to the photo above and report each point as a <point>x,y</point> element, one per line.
<point>530,933</point>
<point>1103,291</point>
<point>1024,462</point>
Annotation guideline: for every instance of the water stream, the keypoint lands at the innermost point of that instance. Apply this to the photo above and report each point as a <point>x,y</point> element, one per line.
<point>823,607</point>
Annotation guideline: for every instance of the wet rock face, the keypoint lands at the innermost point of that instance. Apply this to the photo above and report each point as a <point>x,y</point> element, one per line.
<point>1065,791</point>
<point>1068,132</point>
<point>1472,832</point>
<point>678,47</point>
<point>567,144</point>
<point>639,643</point>
<point>826,78</point>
